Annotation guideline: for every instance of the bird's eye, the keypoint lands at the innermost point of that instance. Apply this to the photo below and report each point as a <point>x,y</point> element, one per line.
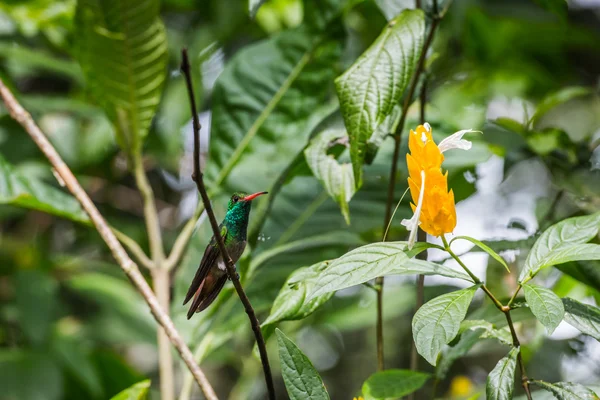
<point>235,199</point>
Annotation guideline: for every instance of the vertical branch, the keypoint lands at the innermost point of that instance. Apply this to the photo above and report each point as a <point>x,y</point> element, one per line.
<point>231,272</point>
<point>516,343</point>
<point>127,265</point>
<point>393,172</point>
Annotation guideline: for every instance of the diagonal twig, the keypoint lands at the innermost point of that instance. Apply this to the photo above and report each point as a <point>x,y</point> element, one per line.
<point>130,268</point>
<point>233,276</point>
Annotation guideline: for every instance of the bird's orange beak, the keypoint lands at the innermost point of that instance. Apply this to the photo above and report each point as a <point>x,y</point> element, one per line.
<point>251,197</point>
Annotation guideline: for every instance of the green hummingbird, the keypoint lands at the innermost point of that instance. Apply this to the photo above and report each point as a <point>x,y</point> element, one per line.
<point>212,273</point>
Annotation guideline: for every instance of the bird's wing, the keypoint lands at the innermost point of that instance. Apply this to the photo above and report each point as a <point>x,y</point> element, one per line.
<point>209,259</point>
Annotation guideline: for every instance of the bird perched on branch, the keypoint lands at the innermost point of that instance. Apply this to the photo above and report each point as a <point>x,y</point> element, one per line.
<point>212,272</point>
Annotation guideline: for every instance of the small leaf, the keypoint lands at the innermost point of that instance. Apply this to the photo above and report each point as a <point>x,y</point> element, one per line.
<point>545,305</point>
<point>485,248</point>
<point>302,380</point>
<point>291,302</point>
<point>336,178</point>
<point>22,191</point>
<point>393,383</point>
<point>377,259</point>
<point>374,84</point>
<point>122,49</point>
<point>139,391</point>
<point>501,381</point>
<point>562,243</point>
<point>584,317</point>
<point>489,330</point>
<point>437,322</point>
<point>568,390</point>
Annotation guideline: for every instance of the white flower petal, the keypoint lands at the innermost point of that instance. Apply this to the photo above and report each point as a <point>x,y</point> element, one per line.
<point>455,141</point>
<point>412,224</point>
<point>427,126</point>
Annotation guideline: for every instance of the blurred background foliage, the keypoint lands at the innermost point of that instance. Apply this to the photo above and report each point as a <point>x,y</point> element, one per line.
<point>71,326</point>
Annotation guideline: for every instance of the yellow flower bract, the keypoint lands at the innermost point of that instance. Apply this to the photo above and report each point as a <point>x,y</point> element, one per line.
<point>438,213</point>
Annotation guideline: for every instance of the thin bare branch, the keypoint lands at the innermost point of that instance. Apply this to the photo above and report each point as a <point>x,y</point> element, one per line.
<point>127,265</point>
<point>231,272</point>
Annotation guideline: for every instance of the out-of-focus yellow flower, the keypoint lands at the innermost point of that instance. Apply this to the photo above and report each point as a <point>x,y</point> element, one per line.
<point>433,205</point>
<point>461,386</point>
<point>358,398</point>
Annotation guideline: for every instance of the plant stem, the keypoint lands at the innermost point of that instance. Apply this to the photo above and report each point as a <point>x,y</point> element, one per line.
<point>504,309</point>
<point>392,183</point>
<point>233,276</point>
<point>134,248</point>
<point>127,265</point>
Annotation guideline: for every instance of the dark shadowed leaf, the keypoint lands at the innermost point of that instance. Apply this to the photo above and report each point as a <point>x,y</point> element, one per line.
<point>37,295</point>
<point>302,380</point>
<point>584,317</point>
<point>450,354</point>
<point>139,391</point>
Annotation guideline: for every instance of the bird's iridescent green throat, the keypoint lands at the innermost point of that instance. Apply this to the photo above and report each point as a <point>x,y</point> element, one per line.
<point>238,212</point>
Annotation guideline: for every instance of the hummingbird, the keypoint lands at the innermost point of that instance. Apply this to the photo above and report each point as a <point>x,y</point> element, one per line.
<point>212,272</point>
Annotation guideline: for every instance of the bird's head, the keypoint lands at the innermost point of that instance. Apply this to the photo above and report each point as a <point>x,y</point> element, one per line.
<point>242,201</point>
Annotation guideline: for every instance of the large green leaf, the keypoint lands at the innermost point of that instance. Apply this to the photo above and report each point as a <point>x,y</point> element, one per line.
<point>374,84</point>
<point>568,390</point>
<point>584,317</point>
<point>393,384</point>
<point>337,178</point>
<point>139,391</point>
<point>21,191</point>
<point>122,48</point>
<point>437,322</point>
<point>563,242</point>
<point>545,305</point>
<point>301,379</point>
<point>501,381</point>
<point>263,103</point>
<point>377,259</point>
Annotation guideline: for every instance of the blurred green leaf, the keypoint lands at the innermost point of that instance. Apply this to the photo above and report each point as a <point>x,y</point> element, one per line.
<point>301,379</point>
<point>563,242</point>
<point>391,8</point>
<point>567,390</point>
<point>560,97</point>
<point>253,6</point>
<point>545,305</point>
<point>40,60</point>
<point>21,191</point>
<point>501,380</point>
<point>558,7</point>
<point>393,383</point>
<point>584,317</point>
<point>489,330</point>
<point>262,105</point>
<point>139,391</point>
<point>36,295</point>
<point>374,84</point>
<point>437,322</point>
<point>336,177</point>
<point>377,259</point>
<point>115,373</point>
<point>122,49</point>
<point>483,247</point>
<point>28,375</point>
<point>467,340</point>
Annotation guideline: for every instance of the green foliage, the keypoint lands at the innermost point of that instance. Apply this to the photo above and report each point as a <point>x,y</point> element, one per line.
<point>437,322</point>
<point>301,379</point>
<point>561,243</point>
<point>373,85</point>
<point>483,247</point>
<point>393,383</point>
<point>500,382</point>
<point>567,390</point>
<point>584,317</point>
<point>139,391</point>
<point>545,305</point>
<point>122,50</point>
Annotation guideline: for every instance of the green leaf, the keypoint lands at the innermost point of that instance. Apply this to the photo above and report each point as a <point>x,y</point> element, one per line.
<point>29,375</point>
<point>437,322</point>
<point>560,97</point>
<point>567,390</point>
<point>36,295</point>
<point>450,354</point>
<point>587,272</point>
<point>558,7</point>
<point>563,242</point>
<point>501,381</point>
<point>291,302</point>
<point>387,127</point>
<point>374,84</point>
<point>377,259</point>
<point>485,248</point>
<point>302,380</point>
<point>263,103</point>
<point>489,330</point>
<point>139,391</point>
<point>393,383</point>
<point>545,305</point>
<point>584,317</point>
<point>21,191</point>
<point>122,49</point>
<point>336,178</point>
